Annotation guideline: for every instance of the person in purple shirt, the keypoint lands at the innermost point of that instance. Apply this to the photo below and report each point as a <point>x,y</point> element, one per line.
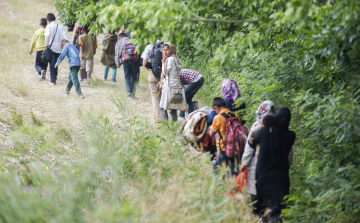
<point>195,81</point>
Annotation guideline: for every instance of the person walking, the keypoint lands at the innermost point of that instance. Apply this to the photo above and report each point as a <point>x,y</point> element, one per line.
<point>195,81</point>
<point>108,55</point>
<point>272,167</point>
<point>88,47</point>
<point>54,33</point>
<point>153,52</point>
<point>131,68</point>
<point>170,77</point>
<point>38,42</point>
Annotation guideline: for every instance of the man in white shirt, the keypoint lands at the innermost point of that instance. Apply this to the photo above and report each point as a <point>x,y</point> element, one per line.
<point>54,34</point>
<point>153,81</point>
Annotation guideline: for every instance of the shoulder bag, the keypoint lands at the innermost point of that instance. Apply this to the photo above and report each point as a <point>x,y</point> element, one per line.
<point>175,93</point>
<point>47,53</point>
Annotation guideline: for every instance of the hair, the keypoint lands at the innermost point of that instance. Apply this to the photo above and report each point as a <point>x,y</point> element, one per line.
<point>50,17</point>
<point>219,102</point>
<point>269,119</point>
<point>64,41</point>
<point>122,35</point>
<point>86,29</point>
<point>43,22</point>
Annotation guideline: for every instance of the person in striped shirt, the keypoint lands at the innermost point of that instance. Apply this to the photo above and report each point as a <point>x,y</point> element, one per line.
<point>195,81</point>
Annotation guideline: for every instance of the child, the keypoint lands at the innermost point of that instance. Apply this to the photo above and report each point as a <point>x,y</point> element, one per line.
<point>74,64</point>
<point>219,125</point>
<point>38,41</point>
<point>88,47</point>
<point>108,55</point>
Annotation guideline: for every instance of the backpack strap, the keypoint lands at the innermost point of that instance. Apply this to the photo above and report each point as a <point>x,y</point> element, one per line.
<point>226,116</point>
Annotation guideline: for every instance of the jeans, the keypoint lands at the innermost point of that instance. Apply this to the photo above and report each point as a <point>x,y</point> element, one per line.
<point>106,71</point>
<point>73,80</point>
<point>39,65</point>
<point>53,71</point>
<point>131,71</point>
<point>164,114</point>
<point>190,92</point>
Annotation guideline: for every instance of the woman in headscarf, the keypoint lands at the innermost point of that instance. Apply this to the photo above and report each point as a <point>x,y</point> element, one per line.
<point>249,158</point>
<point>272,167</point>
<point>230,93</point>
<point>170,74</point>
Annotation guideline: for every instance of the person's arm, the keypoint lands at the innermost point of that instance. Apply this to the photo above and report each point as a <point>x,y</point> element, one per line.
<point>64,35</point>
<point>75,34</point>
<point>95,46</point>
<point>47,36</point>
<point>81,48</point>
<point>144,63</point>
<point>62,56</point>
<point>117,62</point>
<point>256,138</point>
<point>214,128</point>
<point>33,42</point>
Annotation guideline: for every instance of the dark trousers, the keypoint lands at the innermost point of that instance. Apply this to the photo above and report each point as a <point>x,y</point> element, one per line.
<point>131,71</point>
<point>53,71</point>
<point>233,163</point>
<point>190,92</point>
<point>74,80</point>
<point>39,65</point>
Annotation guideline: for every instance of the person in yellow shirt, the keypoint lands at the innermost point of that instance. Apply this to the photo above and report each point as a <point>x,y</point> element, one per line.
<point>38,42</point>
<point>218,126</point>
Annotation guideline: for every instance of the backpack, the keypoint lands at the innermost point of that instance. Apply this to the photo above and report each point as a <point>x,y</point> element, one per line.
<point>235,136</point>
<point>129,54</point>
<point>155,58</point>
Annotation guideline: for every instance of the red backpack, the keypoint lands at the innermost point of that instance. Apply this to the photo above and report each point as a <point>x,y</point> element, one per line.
<point>235,134</point>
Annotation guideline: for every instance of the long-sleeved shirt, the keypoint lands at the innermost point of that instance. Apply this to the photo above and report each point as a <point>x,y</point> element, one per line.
<point>118,50</point>
<point>60,35</point>
<point>38,40</point>
<point>188,76</point>
<point>72,54</point>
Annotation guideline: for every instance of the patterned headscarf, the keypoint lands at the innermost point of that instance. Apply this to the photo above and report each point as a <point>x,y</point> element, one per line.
<point>230,90</point>
<point>264,108</point>
<point>172,48</point>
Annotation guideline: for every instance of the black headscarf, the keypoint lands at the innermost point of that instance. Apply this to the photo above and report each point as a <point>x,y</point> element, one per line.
<point>283,116</point>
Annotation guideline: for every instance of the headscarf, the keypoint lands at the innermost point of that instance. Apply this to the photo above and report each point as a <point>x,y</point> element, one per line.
<point>283,116</point>
<point>230,90</point>
<point>264,108</point>
<point>172,48</point>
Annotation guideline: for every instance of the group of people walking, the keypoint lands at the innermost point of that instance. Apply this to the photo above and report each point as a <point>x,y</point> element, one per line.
<point>266,150</point>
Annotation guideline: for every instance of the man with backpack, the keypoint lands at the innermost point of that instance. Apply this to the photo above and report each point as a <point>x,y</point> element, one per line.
<point>231,138</point>
<point>125,54</point>
<point>153,52</point>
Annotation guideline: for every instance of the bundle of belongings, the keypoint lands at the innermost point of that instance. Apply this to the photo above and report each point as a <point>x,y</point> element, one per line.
<point>197,132</point>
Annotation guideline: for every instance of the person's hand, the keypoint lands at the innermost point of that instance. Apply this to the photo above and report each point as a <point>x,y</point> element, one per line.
<point>241,167</point>
<point>159,84</point>
<point>30,52</point>
<point>55,66</point>
<point>82,57</point>
<point>251,140</point>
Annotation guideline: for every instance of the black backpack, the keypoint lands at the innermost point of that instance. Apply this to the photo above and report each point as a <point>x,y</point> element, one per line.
<point>156,57</point>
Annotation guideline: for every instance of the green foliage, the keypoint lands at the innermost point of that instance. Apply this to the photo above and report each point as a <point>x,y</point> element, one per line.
<point>300,54</point>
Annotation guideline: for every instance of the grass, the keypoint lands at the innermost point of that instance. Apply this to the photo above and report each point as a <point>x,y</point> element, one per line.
<point>94,160</point>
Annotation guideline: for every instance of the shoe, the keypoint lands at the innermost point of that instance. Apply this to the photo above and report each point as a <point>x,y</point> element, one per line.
<point>81,96</point>
<point>129,97</point>
<point>52,83</point>
<point>43,74</point>
<point>66,91</point>
<point>104,79</point>
<point>181,119</point>
<point>113,81</point>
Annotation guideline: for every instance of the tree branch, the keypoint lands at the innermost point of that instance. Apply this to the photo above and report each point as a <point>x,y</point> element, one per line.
<point>221,21</point>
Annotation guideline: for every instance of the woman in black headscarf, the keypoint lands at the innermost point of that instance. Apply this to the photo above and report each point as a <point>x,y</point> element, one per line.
<point>272,168</point>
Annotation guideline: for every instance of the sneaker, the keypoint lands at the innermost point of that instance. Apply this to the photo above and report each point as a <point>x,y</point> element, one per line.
<point>104,79</point>
<point>181,119</point>
<point>129,97</point>
<point>81,96</point>
<point>66,91</point>
<point>52,83</point>
<point>43,74</point>
<point>113,81</point>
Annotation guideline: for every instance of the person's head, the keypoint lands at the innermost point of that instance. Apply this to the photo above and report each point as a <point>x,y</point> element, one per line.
<point>86,29</point>
<point>230,90</point>
<point>264,108</point>
<point>43,22</point>
<point>50,17</point>
<point>218,104</point>
<point>64,42</point>
<point>268,120</point>
<point>122,35</point>
<point>166,52</point>
<point>283,118</point>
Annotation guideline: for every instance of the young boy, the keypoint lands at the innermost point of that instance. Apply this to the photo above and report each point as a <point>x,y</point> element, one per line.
<point>74,64</point>
<point>38,42</point>
<point>219,125</point>
<point>88,47</point>
<point>108,55</point>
